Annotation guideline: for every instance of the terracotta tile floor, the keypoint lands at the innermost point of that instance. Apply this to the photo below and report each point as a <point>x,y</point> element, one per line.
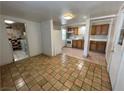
<point>54,74</point>
<point>94,57</point>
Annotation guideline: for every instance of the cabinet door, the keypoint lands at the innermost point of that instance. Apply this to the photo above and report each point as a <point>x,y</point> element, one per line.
<point>101,47</point>
<point>74,43</point>
<point>98,29</point>
<point>93,31</point>
<point>79,44</point>
<point>105,29</point>
<point>92,45</point>
<point>75,31</point>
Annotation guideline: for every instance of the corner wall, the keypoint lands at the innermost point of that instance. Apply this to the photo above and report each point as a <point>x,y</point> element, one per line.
<point>34,38</point>
<point>46,29</point>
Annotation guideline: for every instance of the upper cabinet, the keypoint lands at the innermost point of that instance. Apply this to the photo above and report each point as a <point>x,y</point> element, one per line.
<point>100,29</point>
<point>73,30</point>
<point>104,29</point>
<point>93,31</point>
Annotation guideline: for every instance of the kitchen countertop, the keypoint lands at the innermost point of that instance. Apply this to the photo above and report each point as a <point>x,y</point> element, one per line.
<point>102,38</point>
<point>77,39</point>
<point>74,39</point>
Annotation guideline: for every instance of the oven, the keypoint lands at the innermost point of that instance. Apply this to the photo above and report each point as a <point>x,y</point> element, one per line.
<point>69,42</point>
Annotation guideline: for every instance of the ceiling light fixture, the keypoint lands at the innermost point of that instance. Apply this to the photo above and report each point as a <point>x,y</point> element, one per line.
<point>9,21</point>
<point>68,16</point>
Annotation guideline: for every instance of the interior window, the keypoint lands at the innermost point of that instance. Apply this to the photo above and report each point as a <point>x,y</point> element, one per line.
<point>63,34</point>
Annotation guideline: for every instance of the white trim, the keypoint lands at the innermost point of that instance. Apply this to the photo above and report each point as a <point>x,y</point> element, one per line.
<point>103,17</point>
<point>109,34</point>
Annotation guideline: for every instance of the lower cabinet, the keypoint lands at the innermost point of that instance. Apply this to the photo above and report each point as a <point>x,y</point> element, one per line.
<point>74,43</point>
<point>78,44</point>
<point>93,45</point>
<point>98,46</point>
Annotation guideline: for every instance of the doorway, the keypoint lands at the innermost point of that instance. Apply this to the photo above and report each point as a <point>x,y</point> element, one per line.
<point>16,33</point>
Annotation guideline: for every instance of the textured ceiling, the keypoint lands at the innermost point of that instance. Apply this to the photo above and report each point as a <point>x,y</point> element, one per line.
<point>44,10</point>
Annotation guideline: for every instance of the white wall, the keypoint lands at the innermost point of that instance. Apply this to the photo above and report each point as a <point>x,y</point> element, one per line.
<point>34,38</point>
<point>46,29</point>
<point>33,35</point>
<point>6,55</point>
<point>57,42</point>
<point>120,79</point>
<point>51,38</point>
<point>57,39</point>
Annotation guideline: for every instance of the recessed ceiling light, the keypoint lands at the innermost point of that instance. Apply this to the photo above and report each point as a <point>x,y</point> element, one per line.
<point>68,16</point>
<point>9,21</point>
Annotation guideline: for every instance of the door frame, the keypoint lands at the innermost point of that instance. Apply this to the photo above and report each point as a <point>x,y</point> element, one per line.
<point>109,35</point>
<point>25,24</point>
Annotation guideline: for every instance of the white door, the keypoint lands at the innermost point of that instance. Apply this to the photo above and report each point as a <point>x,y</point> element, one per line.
<point>120,77</point>
<point>118,49</point>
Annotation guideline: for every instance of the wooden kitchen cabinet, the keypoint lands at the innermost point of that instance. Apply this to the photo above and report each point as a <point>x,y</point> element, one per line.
<point>92,45</point>
<point>75,30</point>
<point>104,29</point>
<point>100,29</point>
<point>78,44</point>
<point>74,43</point>
<point>93,31</point>
<point>98,46</point>
<point>101,47</point>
